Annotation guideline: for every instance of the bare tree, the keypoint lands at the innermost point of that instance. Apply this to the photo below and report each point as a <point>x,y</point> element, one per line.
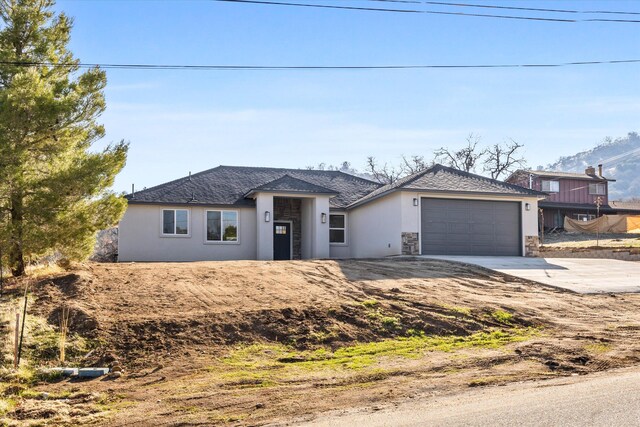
<point>464,159</point>
<point>503,159</point>
<point>414,164</point>
<point>384,174</point>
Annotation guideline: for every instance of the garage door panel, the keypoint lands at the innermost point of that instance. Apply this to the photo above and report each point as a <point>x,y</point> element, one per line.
<point>482,228</point>
<point>458,228</point>
<point>470,227</point>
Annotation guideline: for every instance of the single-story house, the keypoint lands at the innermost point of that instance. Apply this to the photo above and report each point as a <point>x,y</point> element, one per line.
<point>253,213</point>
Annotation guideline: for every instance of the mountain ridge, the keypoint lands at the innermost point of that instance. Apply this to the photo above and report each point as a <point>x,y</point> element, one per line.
<point>620,159</point>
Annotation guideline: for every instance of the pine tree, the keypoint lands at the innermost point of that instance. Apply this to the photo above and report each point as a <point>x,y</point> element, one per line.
<point>54,189</point>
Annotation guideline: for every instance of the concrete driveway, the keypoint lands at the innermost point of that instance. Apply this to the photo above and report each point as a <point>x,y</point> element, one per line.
<point>576,274</point>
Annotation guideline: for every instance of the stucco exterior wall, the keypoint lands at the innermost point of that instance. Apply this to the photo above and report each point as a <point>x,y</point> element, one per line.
<point>140,237</point>
<point>375,228</point>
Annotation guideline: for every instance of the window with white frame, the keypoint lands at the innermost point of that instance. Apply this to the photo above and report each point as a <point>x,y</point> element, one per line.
<point>175,222</point>
<point>337,228</point>
<point>222,226</point>
<point>598,189</point>
<point>585,217</point>
<point>550,186</point>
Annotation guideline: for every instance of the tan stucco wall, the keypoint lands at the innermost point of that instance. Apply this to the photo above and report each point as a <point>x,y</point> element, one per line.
<point>140,237</point>
<point>375,228</point>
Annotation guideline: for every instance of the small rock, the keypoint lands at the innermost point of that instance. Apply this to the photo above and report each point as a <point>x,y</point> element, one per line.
<point>116,374</point>
<point>259,405</point>
<point>44,395</point>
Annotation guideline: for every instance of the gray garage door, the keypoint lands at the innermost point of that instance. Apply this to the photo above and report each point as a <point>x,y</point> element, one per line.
<point>470,227</point>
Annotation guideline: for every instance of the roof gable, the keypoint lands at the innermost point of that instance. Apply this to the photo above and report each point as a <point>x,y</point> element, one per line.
<point>439,178</point>
<point>287,183</point>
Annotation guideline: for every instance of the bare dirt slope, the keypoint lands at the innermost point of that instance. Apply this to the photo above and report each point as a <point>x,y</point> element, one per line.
<point>258,342</point>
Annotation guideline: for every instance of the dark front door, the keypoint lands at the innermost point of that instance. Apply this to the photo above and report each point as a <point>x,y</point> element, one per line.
<point>281,240</point>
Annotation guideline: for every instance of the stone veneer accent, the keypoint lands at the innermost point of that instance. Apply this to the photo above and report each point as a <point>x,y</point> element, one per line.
<point>286,209</point>
<point>410,244</point>
<point>532,246</point>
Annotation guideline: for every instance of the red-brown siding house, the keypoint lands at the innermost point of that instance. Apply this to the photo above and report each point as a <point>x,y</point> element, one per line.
<point>571,194</point>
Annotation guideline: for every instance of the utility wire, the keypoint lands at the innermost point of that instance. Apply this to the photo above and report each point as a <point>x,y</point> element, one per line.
<point>488,6</point>
<point>413,11</point>
<point>435,12</point>
<point>306,67</point>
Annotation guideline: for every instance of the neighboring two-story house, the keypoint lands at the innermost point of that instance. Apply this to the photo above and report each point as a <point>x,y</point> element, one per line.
<point>574,195</point>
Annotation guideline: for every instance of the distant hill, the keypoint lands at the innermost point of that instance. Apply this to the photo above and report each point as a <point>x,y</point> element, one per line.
<point>621,160</point>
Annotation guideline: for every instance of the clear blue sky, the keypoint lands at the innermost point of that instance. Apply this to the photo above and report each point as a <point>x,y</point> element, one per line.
<point>181,121</point>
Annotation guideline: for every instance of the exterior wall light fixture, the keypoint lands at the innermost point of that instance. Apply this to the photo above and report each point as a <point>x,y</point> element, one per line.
<point>415,201</point>
<point>267,216</point>
<point>323,217</point>
<point>527,206</point>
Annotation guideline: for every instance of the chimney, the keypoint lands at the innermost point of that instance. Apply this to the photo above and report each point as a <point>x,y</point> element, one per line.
<point>133,191</point>
<point>600,170</point>
<point>590,170</point>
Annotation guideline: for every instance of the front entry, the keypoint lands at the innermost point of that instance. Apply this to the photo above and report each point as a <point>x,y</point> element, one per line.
<point>281,241</point>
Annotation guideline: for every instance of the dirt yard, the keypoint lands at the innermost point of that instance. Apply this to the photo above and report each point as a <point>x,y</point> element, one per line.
<point>579,240</point>
<point>252,343</point>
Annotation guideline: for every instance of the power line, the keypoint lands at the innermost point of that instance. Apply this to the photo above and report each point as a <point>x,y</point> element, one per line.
<point>308,67</point>
<point>436,12</point>
<point>488,6</point>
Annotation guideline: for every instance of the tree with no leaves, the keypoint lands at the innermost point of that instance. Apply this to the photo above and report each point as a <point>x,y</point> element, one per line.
<point>384,174</point>
<point>497,160</point>
<point>464,159</point>
<point>503,159</point>
<point>53,190</point>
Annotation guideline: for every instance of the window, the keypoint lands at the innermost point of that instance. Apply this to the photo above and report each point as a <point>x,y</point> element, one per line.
<point>551,186</point>
<point>337,228</point>
<point>598,189</point>
<point>585,217</point>
<point>281,229</point>
<point>175,222</point>
<point>222,226</point>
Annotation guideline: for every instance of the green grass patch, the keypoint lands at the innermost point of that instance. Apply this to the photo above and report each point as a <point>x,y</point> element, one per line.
<point>370,303</point>
<point>465,311</point>
<point>7,404</point>
<point>42,343</point>
<point>263,365</point>
<point>502,317</point>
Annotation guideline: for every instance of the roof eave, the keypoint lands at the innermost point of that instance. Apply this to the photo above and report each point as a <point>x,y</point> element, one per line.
<point>538,195</point>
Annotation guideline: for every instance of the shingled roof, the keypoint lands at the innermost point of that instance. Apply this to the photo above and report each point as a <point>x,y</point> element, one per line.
<point>289,184</point>
<point>558,174</point>
<point>229,185</point>
<point>439,178</point>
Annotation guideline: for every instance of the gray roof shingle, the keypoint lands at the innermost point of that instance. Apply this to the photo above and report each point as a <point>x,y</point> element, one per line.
<point>439,178</point>
<point>558,174</point>
<point>228,185</point>
<point>288,183</point>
